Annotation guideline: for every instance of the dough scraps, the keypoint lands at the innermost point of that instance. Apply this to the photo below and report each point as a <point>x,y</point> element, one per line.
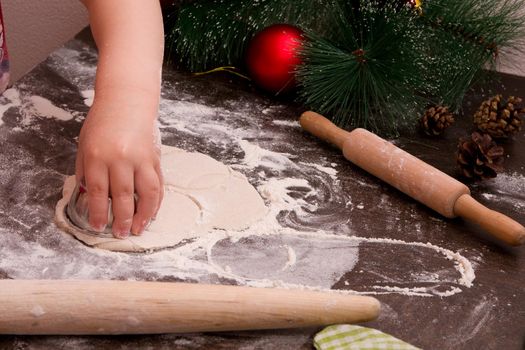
<point>200,194</point>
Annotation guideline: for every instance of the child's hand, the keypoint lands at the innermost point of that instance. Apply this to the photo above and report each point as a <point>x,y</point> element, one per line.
<point>119,155</point>
<point>118,151</point>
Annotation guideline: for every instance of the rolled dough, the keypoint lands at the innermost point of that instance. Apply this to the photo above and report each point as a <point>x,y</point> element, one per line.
<point>200,194</point>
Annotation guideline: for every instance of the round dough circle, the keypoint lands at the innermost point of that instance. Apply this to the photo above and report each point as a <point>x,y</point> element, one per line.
<point>200,194</point>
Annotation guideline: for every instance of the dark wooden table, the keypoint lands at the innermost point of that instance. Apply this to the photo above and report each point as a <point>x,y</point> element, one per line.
<point>37,151</point>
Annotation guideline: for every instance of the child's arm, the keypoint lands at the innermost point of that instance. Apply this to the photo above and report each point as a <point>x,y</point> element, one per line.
<point>119,152</point>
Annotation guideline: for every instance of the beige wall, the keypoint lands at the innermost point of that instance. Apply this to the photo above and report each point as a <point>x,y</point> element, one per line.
<point>34,28</point>
<point>514,63</point>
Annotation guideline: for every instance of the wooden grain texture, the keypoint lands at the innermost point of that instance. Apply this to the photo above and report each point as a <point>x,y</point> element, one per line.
<point>125,307</point>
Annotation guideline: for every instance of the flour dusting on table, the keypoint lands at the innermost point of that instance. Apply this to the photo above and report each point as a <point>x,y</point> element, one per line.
<point>506,188</point>
<point>307,240</point>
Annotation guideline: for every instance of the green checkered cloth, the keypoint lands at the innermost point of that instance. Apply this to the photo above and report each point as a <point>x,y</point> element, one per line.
<point>348,337</point>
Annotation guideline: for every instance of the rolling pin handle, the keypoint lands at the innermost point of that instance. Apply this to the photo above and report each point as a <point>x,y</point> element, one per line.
<point>323,128</point>
<point>497,224</point>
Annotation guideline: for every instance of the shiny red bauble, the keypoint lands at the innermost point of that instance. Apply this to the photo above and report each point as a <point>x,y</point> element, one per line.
<point>272,57</point>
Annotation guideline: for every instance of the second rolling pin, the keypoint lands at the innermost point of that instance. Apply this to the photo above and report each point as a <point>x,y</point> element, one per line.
<point>127,307</point>
<point>414,177</point>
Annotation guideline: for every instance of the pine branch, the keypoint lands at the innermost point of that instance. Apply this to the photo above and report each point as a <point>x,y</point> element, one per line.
<point>216,33</point>
<point>406,61</point>
<point>370,63</point>
<point>369,76</point>
<point>467,36</point>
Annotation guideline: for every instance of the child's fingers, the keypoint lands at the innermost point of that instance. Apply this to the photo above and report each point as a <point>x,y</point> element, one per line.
<point>147,186</point>
<point>79,167</point>
<point>123,202</point>
<point>96,177</point>
<point>160,176</point>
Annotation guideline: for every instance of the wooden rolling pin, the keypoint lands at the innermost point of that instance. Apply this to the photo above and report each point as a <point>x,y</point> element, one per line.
<point>125,307</point>
<point>414,177</point>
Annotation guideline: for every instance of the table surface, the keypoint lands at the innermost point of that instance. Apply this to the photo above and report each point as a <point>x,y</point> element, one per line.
<point>211,114</point>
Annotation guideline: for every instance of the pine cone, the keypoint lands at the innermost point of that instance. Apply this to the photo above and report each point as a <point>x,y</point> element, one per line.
<point>479,157</point>
<point>499,118</point>
<point>436,120</point>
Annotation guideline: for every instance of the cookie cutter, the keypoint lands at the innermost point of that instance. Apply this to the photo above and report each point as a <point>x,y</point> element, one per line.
<point>77,213</point>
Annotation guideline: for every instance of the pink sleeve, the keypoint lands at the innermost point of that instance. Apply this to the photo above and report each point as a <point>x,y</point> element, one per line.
<point>4,58</point>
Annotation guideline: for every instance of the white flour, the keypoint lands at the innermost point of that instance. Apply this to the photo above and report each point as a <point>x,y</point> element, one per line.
<point>506,188</point>
<point>266,255</point>
<point>31,107</point>
<point>326,169</point>
<point>289,123</point>
<point>255,156</point>
<point>44,107</point>
<point>88,96</point>
<point>296,245</point>
<point>10,98</point>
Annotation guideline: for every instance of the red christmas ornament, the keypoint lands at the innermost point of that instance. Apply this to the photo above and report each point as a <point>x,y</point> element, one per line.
<point>272,57</point>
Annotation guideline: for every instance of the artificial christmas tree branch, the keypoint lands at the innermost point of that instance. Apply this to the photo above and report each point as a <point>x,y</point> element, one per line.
<point>466,37</point>
<point>371,63</point>
<point>215,33</point>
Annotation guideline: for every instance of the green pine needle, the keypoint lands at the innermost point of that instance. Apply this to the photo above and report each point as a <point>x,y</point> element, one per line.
<point>216,33</point>
<point>467,36</point>
<point>369,63</point>
<point>368,77</point>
